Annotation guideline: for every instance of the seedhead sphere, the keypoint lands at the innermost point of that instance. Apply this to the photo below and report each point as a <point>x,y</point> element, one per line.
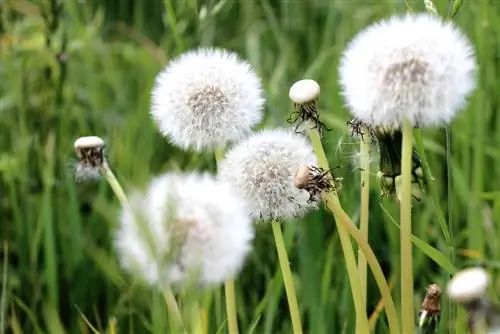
<point>415,66</point>
<point>263,169</point>
<point>184,228</point>
<point>206,98</point>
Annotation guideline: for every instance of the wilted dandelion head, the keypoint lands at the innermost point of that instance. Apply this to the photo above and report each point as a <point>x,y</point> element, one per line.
<point>415,66</point>
<point>205,98</point>
<point>90,153</point>
<point>262,168</point>
<point>184,228</point>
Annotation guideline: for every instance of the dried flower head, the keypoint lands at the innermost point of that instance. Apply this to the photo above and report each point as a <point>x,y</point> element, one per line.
<point>205,98</point>
<point>430,310</point>
<point>184,228</point>
<point>263,167</point>
<point>315,180</point>
<point>304,95</point>
<point>90,153</point>
<point>415,66</point>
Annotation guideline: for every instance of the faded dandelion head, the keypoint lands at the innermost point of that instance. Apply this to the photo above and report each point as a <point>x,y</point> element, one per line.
<point>184,228</point>
<point>206,98</point>
<point>315,180</point>
<point>90,153</point>
<point>468,285</point>
<point>415,66</point>
<point>304,91</point>
<point>263,167</point>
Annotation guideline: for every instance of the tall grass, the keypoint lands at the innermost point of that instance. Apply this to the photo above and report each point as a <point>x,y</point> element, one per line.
<point>89,68</point>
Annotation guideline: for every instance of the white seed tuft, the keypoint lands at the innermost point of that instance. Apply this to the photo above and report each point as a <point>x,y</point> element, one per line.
<point>415,66</point>
<point>184,228</point>
<point>262,168</point>
<point>88,142</point>
<point>206,98</point>
<point>468,285</point>
<point>304,91</point>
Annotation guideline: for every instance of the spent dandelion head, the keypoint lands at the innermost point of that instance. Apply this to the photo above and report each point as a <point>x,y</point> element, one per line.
<point>263,168</point>
<point>304,95</point>
<point>206,98</point>
<point>184,229</point>
<point>416,67</point>
<point>90,153</point>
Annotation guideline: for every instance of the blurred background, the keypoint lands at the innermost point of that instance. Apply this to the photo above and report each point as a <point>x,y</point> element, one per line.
<point>73,68</point>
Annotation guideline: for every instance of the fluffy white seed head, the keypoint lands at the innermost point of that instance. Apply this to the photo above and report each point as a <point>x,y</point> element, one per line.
<point>415,66</point>
<point>184,227</point>
<point>205,98</point>
<point>468,285</point>
<point>262,168</point>
<point>304,91</point>
<point>88,142</point>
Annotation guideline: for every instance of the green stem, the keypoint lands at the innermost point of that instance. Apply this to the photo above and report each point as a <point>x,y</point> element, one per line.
<point>287,278</point>
<point>232,317</point>
<point>365,198</point>
<point>344,223</point>
<point>407,312</point>
<point>113,182</point>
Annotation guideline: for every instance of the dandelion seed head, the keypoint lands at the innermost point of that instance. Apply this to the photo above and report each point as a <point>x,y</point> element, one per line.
<point>304,91</point>
<point>415,66</point>
<point>184,225</point>
<point>262,168</point>
<point>468,285</point>
<point>206,98</point>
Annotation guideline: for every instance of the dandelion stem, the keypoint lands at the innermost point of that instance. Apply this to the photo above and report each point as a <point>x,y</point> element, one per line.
<point>287,278</point>
<point>364,160</point>
<point>407,312</point>
<point>344,224</point>
<point>113,182</point>
<point>229,285</point>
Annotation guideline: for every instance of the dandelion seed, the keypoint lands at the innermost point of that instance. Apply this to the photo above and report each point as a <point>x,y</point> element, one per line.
<point>184,228</point>
<point>206,98</point>
<point>262,168</point>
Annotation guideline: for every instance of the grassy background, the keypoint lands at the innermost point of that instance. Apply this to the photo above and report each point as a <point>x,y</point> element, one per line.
<point>87,68</point>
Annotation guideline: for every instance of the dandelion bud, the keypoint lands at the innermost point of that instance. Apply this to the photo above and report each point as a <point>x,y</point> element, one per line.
<point>89,151</point>
<point>304,95</point>
<point>264,167</point>
<point>184,229</point>
<point>206,98</point>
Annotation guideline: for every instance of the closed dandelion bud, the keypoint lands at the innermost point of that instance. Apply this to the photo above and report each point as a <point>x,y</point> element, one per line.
<point>206,98</point>
<point>264,168</point>
<point>416,67</point>
<point>89,151</point>
<point>184,228</point>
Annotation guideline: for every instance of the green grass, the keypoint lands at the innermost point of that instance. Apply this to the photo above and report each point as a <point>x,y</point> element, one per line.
<point>60,261</point>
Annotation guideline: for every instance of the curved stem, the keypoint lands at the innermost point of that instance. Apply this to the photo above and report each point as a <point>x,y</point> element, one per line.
<point>287,278</point>
<point>333,204</point>
<point>407,308</point>
<point>364,160</point>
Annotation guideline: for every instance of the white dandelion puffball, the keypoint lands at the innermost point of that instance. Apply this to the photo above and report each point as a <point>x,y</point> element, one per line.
<point>184,225</point>
<point>468,285</point>
<point>206,98</point>
<point>415,66</point>
<point>262,168</point>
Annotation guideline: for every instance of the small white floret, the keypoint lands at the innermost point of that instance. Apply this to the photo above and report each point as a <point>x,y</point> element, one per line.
<point>304,91</point>
<point>206,98</point>
<point>263,167</point>
<point>468,285</point>
<point>415,66</point>
<point>185,228</point>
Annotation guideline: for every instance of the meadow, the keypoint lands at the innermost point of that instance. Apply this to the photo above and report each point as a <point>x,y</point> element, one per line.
<point>76,68</point>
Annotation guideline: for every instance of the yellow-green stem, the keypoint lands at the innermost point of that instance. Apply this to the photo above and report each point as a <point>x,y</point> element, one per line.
<point>407,309</point>
<point>229,285</point>
<point>364,161</point>
<point>333,204</point>
<point>232,317</point>
<point>113,182</point>
<point>287,278</point>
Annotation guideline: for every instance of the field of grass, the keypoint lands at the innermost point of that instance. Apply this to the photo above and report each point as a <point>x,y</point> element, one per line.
<point>73,68</point>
